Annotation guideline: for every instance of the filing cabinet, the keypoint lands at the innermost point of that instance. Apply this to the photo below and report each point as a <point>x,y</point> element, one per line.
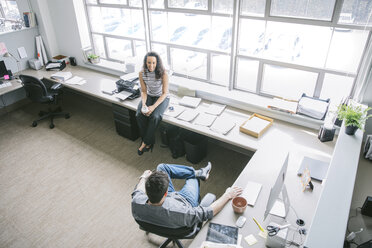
<point>125,122</point>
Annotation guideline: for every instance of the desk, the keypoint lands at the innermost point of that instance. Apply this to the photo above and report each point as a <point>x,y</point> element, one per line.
<point>15,85</point>
<point>314,208</point>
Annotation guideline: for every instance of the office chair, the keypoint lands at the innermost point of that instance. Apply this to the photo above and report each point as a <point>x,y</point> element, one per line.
<point>38,92</point>
<point>174,234</point>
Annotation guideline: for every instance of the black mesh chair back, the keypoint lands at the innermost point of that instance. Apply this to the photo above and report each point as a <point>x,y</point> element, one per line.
<point>35,89</point>
<point>172,234</point>
<point>38,92</point>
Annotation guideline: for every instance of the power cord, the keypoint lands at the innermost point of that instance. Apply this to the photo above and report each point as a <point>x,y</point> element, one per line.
<point>296,230</point>
<point>352,235</point>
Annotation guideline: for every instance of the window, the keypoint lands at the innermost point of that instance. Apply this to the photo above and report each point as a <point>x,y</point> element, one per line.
<point>9,15</point>
<point>281,48</point>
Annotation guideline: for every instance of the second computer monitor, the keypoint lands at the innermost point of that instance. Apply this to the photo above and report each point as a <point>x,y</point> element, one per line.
<point>274,205</point>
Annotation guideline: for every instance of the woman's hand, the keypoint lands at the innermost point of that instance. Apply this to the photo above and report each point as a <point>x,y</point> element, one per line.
<point>151,109</point>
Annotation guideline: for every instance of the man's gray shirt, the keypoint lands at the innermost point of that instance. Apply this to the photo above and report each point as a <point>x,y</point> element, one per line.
<point>175,212</point>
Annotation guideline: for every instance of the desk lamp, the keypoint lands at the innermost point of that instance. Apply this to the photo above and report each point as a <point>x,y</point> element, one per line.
<point>9,55</point>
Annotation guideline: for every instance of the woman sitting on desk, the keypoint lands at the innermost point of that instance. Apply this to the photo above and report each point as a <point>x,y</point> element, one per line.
<point>154,94</point>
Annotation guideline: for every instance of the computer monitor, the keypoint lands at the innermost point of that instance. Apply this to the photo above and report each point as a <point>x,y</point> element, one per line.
<point>275,205</point>
<point>3,70</point>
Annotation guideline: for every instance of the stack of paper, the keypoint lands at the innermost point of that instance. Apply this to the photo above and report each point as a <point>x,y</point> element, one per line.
<point>76,80</point>
<point>123,95</point>
<point>188,115</point>
<point>205,119</point>
<point>283,105</point>
<point>256,124</point>
<point>222,125</point>
<point>62,76</point>
<point>312,107</point>
<point>215,109</point>
<point>189,101</point>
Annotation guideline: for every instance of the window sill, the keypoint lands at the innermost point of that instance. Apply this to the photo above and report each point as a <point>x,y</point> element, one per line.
<point>241,100</point>
<point>19,30</point>
<point>235,98</point>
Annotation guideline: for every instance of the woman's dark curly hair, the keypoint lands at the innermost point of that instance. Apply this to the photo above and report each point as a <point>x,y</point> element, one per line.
<point>159,69</point>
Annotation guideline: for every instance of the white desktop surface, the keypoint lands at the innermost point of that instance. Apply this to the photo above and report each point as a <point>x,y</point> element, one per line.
<point>314,207</point>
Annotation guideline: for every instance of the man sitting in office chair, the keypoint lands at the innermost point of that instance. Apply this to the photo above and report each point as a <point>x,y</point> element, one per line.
<point>155,200</point>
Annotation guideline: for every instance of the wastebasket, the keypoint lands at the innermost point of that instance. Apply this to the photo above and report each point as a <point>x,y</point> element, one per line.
<point>195,146</point>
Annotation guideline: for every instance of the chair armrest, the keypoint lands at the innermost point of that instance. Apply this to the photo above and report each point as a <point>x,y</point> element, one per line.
<point>207,200</point>
<point>56,86</point>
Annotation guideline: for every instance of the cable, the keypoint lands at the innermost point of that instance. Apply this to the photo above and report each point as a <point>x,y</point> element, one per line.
<point>356,214</point>
<point>292,242</point>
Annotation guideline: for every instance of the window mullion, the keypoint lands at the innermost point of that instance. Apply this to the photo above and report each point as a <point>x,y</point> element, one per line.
<point>89,26</point>
<point>259,77</point>
<point>146,23</point>
<point>319,84</point>
<point>234,42</point>
<point>337,11</point>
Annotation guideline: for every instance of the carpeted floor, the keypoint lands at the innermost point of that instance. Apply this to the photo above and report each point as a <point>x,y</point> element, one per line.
<point>71,186</point>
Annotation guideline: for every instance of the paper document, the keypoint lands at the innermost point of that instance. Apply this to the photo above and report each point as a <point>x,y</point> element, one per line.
<point>283,105</point>
<point>222,125</point>
<point>75,80</point>
<point>189,101</point>
<point>130,76</point>
<point>251,192</point>
<point>204,119</point>
<point>215,109</point>
<point>123,95</point>
<point>63,76</point>
<point>22,52</point>
<point>312,107</point>
<point>256,124</point>
<point>4,85</point>
<point>188,115</point>
<point>174,110</point>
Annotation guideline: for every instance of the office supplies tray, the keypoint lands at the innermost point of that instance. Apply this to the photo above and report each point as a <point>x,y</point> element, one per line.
<point>256,125</point>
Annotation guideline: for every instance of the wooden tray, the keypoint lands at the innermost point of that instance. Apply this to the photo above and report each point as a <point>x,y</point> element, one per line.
<point>253,132</point>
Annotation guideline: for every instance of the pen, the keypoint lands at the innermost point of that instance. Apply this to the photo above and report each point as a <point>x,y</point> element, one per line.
<point>258,224</point>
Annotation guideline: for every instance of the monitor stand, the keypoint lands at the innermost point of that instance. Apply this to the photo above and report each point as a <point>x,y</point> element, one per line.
<point>281,207</point>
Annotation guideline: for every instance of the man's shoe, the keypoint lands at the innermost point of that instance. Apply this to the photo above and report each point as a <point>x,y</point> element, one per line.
<point>203,173</point>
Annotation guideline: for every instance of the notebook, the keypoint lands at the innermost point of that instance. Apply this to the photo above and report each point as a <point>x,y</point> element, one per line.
<point>251,192</point>
<point>188,115</point>
<point>189,101</point>
<point>222,125</point>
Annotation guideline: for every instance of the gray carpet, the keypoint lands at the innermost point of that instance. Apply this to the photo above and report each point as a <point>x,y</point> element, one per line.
<point>70,186</point>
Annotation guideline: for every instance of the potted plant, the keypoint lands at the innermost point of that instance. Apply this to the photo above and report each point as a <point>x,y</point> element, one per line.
<point>94,59</point>
<point>354,117</point>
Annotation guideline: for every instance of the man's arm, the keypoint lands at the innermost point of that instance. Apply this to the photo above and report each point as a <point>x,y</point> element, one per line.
<point>227,196</point>
<point>142,182</point>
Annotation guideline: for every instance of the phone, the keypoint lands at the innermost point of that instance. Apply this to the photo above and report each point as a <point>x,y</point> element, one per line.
<point>240,221</point>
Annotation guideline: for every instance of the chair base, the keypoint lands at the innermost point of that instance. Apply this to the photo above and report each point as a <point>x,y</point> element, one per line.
<point>51,114</point>
<point>175,241</point>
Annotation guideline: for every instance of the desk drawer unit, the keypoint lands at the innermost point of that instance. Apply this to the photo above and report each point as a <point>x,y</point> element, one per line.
<point>125,122</point>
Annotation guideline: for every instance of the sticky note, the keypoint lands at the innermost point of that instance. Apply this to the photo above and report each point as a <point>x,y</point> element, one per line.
<point>251,240</point>
<point>263,234</point>
<point>6,77</point>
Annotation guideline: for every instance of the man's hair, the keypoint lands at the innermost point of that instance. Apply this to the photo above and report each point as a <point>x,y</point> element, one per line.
<point>156,186</point>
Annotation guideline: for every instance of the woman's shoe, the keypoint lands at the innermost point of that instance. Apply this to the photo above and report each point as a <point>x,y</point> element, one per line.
<point>140,152</point>
<point>146,149</point>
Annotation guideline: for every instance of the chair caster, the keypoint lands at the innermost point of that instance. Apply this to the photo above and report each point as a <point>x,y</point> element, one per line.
<point>67,116</point>
<point>34,124</point>
<point>51,126</point>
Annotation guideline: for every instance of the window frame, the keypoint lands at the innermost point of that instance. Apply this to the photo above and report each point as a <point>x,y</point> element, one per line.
<point>237,17</point>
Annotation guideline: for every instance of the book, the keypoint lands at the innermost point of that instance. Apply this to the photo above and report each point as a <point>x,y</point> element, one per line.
<point>188,115</point>
<point>215,109</point>
<point>61,76</point>
<point>222,125</point>
<point>189,101</point>
<point>204,119</point>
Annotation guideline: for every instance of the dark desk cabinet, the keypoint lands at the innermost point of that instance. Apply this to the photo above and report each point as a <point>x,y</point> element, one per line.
<point>125,122</point>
